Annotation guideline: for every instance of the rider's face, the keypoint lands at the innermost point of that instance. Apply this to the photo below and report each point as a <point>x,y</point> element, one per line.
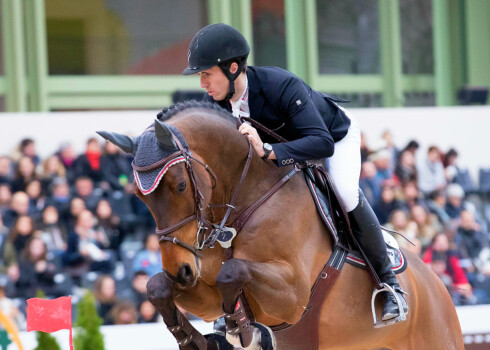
<point>215,83</point>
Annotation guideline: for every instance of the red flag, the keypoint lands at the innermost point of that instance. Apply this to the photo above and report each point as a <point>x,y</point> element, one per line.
<point>49,315</point>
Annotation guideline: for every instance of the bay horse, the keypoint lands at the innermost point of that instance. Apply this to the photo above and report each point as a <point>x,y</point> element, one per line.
<point>191,160</point>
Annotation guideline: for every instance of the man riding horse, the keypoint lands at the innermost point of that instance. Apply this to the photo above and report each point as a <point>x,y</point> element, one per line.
<point>313,122</point>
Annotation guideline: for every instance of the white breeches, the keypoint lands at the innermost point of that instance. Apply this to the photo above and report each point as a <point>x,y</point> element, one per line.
<point>345,166</point>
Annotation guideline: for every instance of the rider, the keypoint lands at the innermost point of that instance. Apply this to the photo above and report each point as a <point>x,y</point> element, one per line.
<point>313,122</point>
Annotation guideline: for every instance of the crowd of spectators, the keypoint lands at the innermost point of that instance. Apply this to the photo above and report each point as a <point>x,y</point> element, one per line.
<point>71,222</point>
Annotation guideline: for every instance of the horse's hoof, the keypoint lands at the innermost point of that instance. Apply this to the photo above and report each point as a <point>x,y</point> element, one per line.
<point>217,342</point>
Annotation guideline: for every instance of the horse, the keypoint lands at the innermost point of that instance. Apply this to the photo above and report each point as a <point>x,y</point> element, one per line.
<point>189,168</point>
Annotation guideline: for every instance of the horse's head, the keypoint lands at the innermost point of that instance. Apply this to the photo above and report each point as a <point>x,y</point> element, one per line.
<point>175,190</point>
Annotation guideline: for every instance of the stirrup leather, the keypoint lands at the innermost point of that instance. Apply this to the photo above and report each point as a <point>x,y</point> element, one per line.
<point>402,315</point>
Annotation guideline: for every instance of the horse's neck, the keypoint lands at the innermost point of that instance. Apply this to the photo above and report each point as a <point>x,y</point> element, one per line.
<point>225,150</point>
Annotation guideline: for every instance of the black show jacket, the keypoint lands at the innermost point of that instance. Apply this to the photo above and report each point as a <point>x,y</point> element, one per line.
<point>310,120</point>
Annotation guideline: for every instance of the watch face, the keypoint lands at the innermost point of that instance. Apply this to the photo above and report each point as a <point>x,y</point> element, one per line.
<point>267,147</point>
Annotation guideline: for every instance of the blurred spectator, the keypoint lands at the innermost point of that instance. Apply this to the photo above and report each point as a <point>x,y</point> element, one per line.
<point>365,151</point>
<point>84,188</point>
<point>105,296</point>
<point>52,233</point>
<point>399,222</point>
<point>437,206</point>
<point>37,200</point>
<point>469,239</point>
<point>137,293</point>
<point>9,308</point>
<point>430,172</point>
<point>25,172</point>
<point>382,161</point>
<point>387,138</point>
<point>427,225</point>
<point>6,170</point>
<point>52,169</point>
<point>412,146</point>
<point>124,312</point>
<point>5,197</point>
<point>27,148</point>
<point>150,258</point>
<point>21,232</point>
<point>67,157</point>
<point>8,256</point>
<point>370,183</point>
<point>412,197</point>
<point>19,206</point>
<point>451,169</point>
<point>109,224</point>
<point>85,248</point>
<point>36,271</point>
<point>147,313</point>
<point>116,169</point>
<point>386,204</point>
<point>445,265</point>
<point>405,169</point>
<point>77,205</point>
<point>88,163</point>
<point>455,203</point>
<point>60,199</point>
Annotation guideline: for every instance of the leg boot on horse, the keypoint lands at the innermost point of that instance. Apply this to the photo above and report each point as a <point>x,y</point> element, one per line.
<point>159,290</point>
<point>240,329</point>
<point>367,230</point>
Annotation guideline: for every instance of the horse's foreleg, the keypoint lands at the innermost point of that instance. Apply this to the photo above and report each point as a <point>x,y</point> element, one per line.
<point>159,290</point>
<point>236,274</point>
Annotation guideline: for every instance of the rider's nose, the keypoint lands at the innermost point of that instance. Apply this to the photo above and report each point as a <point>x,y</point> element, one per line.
<point>185,274</point>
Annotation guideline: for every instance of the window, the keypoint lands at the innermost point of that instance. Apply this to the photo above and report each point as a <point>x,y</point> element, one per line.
<point>269,38</point>
<point>121,37</point>
<point>416,32</point>
<point>348,36</point>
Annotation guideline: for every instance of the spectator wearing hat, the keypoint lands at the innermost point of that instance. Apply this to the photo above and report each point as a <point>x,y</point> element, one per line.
<point>430,172</point>
<point>382,161</point>
<point>455,201</point>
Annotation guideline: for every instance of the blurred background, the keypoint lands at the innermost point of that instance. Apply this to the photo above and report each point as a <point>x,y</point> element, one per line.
<point>417,74</point>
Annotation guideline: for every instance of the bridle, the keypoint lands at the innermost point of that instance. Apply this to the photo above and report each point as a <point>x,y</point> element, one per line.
<point>203,225</point>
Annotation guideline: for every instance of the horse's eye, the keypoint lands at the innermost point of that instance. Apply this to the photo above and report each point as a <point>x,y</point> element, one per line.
<point>182,186</point>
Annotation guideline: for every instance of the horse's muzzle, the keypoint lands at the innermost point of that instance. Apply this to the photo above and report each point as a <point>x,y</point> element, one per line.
<point>186,277</point>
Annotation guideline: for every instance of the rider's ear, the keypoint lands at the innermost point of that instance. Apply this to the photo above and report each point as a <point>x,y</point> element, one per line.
<point>126,143</point>
<point>164,135</point>
<point>233,68</point>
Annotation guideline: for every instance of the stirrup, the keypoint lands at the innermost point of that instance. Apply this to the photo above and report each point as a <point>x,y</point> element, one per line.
<point>402,316</point>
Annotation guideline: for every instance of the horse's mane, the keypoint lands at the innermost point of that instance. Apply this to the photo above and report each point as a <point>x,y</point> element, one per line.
<point>168,112</point>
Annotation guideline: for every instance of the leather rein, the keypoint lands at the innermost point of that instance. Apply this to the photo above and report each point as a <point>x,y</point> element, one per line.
<point>203,225</point>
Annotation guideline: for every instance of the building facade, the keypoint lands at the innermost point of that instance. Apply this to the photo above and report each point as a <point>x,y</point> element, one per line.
<point>126,54</point>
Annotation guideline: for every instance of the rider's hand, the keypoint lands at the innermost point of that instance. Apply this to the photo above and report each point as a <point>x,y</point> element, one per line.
<point>257,144</point>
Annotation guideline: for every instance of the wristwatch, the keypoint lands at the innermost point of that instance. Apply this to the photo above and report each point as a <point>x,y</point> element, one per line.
<point>267,149</point>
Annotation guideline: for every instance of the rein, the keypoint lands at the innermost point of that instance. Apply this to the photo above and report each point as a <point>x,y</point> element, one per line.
<point>203,242</point>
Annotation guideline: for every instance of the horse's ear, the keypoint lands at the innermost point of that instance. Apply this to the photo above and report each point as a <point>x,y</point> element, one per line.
<point>164,135</point>
<point>126,143</point>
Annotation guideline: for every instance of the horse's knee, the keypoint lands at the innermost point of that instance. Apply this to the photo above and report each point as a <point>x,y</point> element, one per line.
<point>232,275</point>
<point>159,288</point>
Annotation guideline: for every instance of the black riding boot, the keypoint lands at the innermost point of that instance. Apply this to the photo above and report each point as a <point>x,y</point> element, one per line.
<point>366,228</point>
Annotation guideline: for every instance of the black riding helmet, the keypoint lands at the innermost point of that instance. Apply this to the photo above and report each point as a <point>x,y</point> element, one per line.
<point>216,45</point>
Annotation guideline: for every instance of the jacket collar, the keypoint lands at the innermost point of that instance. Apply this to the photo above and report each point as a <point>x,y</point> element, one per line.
<point>255,97</point>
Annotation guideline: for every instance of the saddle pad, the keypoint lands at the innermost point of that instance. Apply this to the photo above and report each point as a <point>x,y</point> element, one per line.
<point>322,208</point>
<point>398,260</point>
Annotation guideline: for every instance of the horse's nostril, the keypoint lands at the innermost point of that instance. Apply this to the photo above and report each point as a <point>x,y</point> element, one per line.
<point>185,273</point>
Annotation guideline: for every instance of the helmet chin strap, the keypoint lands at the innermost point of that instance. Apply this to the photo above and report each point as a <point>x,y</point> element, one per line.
<point>232,76</point>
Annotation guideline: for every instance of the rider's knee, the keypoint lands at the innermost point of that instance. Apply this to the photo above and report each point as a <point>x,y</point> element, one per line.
<point>158,287</point>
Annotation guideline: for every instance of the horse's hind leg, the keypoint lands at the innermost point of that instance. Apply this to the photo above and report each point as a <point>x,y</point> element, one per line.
<point>240,331</point>
<point>159,290</point>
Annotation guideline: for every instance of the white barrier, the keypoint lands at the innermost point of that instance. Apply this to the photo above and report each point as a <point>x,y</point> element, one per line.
<point>465,128</point>
<point>474,321</point>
